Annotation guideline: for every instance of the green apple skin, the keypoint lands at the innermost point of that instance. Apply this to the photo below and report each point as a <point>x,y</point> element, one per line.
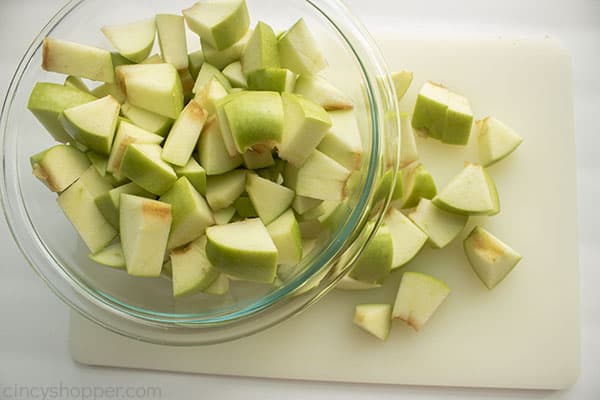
<point>110,256</point>
<point>375,319</point>
<point>347,283</point>
<point>408,144</point>
<point>342,141</point>
<point>143,165</point>
<point>108,203</point>
<point>224,124</point>
<point>144,229</point>
<point>419,296</point>
<point>270,200</point>
<point>153,87</point>
<point>195,61</point>
<point>375,262</point>
<point>118,59</point>
<point>170,30</point>
<point>191,270</point>
<point>298,50</point>
<point>224,215</point>
<point>181,140</point>
<point>208,72</point>
<point>255,119</point>
<point>385,185</point>
<point>134,40</point>
<point>47,101</point>
<point>407,238</point>
<point>429,115</point>
<point>492,260</point>
<point>261,50</point>
<point>79,207</point>
<point>272,79</point>
<point>219,287</point>
<point>212,153</point>
<point>78,60</point>
<point>223,190</point>
<point>244,207</point>
<point>218,23</point>
<point>323,93</point>
<point>459,120</point>
<point>93,124</point>
<point>191,214</point>
<point>440,226</point>
<point>99,161</point>
<point>402,81</point>
<point>194,173</point>
<point>77,83</point>
<point>147,120</point>
<point>221,58</point>
<point>59,166</point>
<point>285,233</point>
<point>233,72</point>
<point>243,250</point>
<point>418,184</point>
<point>471,192</point>
<point>305,126</point>
<point>495,140</point>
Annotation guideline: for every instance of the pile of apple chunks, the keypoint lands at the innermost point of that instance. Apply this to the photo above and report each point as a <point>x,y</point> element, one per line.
<point>218,164</point>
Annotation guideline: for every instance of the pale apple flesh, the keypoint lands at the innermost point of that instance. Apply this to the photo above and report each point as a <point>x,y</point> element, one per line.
<point>78,60</point>
<point>375,262</point>
<point>269,199</point>
<point>495,141</point>
<point>375,319</point>
<point>133,40</point>
<point>110,256</point>
<point>59,166</point>
<point>191,270</point>
<point>440,226</point>
<point>285,233</point>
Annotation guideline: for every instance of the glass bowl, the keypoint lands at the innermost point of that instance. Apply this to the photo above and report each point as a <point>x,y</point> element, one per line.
<point>144,308</point>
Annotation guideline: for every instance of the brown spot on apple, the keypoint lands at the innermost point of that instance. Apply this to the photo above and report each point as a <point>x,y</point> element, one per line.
<point>153,208</point>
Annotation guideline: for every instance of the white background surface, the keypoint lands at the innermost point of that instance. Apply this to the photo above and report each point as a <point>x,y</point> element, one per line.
<point>33,327</point>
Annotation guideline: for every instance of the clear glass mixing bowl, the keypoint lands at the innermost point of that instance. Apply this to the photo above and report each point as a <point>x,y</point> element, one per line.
<point>144,308</point>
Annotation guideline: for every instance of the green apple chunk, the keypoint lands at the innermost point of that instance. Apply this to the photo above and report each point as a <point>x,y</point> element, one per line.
<point>99,161</point>
<point>144,228</point>
<point>171,39</point>
<point>385,185</point>
<point>222,190</point>
<point>491,259</point>
<point>206,73</point>
<point>153,87</point>
<point>471,192</point>
<point>212,153</point>
<point>191,214</point>
<point>78,205</point>
<point>320,91</point>
<point>195,61</point>
<point>108,203</point>
<point>219,287</point>
<point>93,124</point>
<point>127,133</point>
<point>320,177</point>
<point>224,124</point>
<point>261,50</point>
<point>305,125</point>
<point>347,283</point>
<point>402,81</point>
<point>184,134</point>
<point>273,79</point>
<point>418,184</point>
<point>459,119</point>
<point>47,101</point>
<point>77,83</point>
<point>147,120</point>
<point>269,199</point>
<point>429,115</point>
<point>134,40</point>
<point>95,183</point>
<point>440,226</point>
<point>118,59</point>
<point>407,238</point>
<point>221,58</point>
<point>142,163</point>
<point>233,72</point>
<point>495,141</point>
<point>374,318</point>
<point>210,94</point>
<point>298,50</point>
<point>408,144</point>
<point>78,60</point>
<point>342,142</point>
<point>194,173</point>
<point>244,207</point>
<point>302,204</point>
<point>255,119</point>
<point>110,256</point>
<point>419,296</point>
<point>112,89</point>
<point>219,23</point>
<point>258,159</point>
<point>224,215</point>
<point>191,270</point>
<point>59,166</point>
<point>243,250</point>
<point>153,59</point>
<point>375,262</point>
<point>285,233</point>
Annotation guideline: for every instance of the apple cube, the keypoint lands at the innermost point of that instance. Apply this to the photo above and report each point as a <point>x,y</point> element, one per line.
<point>320,91</point>
<point>195,62</point>
<point>219,287</point>
<point>77,83</point>
<point>302,204</point>
<point>194,173</point>
<point>221,58</point>
<point>191,270</point>
<point>402,81</point>
<point>127,133</point>
<point>206,73</point>
<point>407,238</point>
<point>459,119</point>
<point>375,262</point>
<point>134,40</point>
<point>99,161</point>
<point>347,283</point>
<point>374,318</point>
<point>440,226</point>
<point>269,199</point>
<point>78,60</point>
<point>147,120</point>
<point>285,233</point>
<point>59,166</point>
<point>210,94</point>
<point>418,184</point>
<point>108,203</point>
<point>272,79</point>
<point>212,153</point>
<point>112,89</point>
<point>244,207</point>
<point>298,50</point>
<point>224,215</point>
<point>320,177</point>
<point>408,144</point>
<point>184,134</point>
<point>233,72</point>
<point>110,256</point>
<point>171,39</point>
<point>342,142</point>
<point>258,159</point>
<point>495,140</point>
<point>430,110</point>
<point>95,184</point>
<point>222,190</point>
<point>142,163</point>
<point>261,50</point>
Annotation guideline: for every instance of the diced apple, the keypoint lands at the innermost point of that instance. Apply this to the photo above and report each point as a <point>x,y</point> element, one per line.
<point>224,124</point>
<point>112,89</point>
<point>320,177</point>
<point>375,319</point>
<point>269,199</point>
<point>419,296</point>
<point>347,283</point>
<point>244,207</point>
<point>147,120</point>
<point>402,81</point>
<point>258,159</point>
<point>134,40</point>
<point>212,153</point>
<point>127,133</point>
<point>142,163</point>
<point>224,215</point>
<point>233,72</point>
<point>153,87</point>
<point>298,50</point>
<point>491,259</point>
<point>302,204</point>
<point>243,250</point>
<point>153,59</point>
<point>222,190</point>
<point>429,115</point>
<point>96,184</point>
<point>108,203</point>
<point>194,173</point>
<point>495,140</point>
<point>206,73</point>
<point>210,94</point>
<point>418,184</point>
<point>195,61</point>
<point>375,262</point>
<point>272,79</point>
<point>184,134</point>
<point>305,125</point>
<point>407,238</point>
<point>77,83</point>
<point>285,233</point>
<point>320,91</point>
<point>171,39</point>
<point>219,287</point>
<point>408,144</point>
<point>110,256</point>
<point>144,228</point>
<point>118,59</point>
<point>93,124</point>
<point>471,192</point>
<point>440,226</point>
<point>342,142</point>
<point>459,119</point>
<point>59,166</point>
<point>191,270</point>
<point>385,185</point>
<point>47,101</point>
<point>261,50</point>
<point>99,161</point>
<point>77,59</point>
<point>221,58</point>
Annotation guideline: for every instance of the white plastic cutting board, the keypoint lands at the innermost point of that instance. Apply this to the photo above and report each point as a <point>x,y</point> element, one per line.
<point>523,334</point>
